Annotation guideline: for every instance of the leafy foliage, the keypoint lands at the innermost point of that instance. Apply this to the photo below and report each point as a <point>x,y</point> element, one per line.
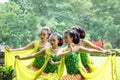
<point>8,73</point>
<point>19,19</point>
<point>107,46</point>
<point>16,26</point>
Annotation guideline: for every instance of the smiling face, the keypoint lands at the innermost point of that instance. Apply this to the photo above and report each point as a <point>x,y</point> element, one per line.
<point>53,41</point>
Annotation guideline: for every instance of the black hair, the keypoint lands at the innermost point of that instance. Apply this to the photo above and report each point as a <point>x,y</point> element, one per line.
<point>80,31</point>
<point>73,34</point>
<point>59,38</point>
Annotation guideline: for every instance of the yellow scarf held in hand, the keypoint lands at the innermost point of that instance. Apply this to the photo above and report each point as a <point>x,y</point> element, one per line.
<point>10,55</point>
<point>107,70</point>
<point>24,73</point>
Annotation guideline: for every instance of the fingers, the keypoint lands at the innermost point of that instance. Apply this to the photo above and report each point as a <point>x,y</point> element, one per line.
<point>17,56</point>
<point>50,59</point>
<point>113,53</point>
<point>7,47</point>
<point>110,53</point>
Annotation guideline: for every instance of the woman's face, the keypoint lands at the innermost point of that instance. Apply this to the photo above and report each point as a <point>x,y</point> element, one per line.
<point>43,35</point>
<point>53,41</point>
<point>67,39</point>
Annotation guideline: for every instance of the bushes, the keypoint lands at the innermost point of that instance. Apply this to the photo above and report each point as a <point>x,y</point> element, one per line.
<point>7,73</point>
<point>107,46</point>
<point>117,51</point>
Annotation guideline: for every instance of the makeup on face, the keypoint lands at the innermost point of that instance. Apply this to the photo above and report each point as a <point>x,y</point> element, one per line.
<point>67,38</point>
<point>43,34</point>
<point>53,41</point>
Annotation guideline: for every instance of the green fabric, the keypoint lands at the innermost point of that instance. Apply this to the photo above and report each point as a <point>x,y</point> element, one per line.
<point>83,59</point>
<point>71,62</point>
<point>52,68</point>
<point>39,61</point>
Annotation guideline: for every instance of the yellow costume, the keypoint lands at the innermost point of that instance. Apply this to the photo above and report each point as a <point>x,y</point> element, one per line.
<point>107,70</point>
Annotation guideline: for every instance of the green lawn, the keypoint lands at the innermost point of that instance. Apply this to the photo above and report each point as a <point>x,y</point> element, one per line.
<point>98,60</point>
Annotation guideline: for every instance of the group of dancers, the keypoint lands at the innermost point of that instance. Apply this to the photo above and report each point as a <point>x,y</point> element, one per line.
<point>74,47</point>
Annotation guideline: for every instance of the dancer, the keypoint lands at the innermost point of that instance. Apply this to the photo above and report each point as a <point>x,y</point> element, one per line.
<point>71,59</point>
<point>43,35</point>
<point>37,45</point>
<point>55,40</point>
<point>84,43</point>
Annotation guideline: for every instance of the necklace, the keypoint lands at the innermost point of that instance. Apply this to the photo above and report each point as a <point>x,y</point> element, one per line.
<point>42,45</point>
<point>54,51</point>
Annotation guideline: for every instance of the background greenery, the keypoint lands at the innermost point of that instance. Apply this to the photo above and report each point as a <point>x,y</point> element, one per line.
<point>20,20</point>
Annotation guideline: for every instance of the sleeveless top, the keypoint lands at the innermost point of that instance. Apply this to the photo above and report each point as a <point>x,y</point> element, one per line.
<point>39,61</point>
<point>50,67</point>
<point>84,59</point>
<point>71,62</point>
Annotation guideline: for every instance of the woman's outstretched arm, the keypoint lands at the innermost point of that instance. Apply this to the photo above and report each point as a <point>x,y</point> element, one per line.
<point>29,46</point>
<point>87,50</point>
<point>34,55</point>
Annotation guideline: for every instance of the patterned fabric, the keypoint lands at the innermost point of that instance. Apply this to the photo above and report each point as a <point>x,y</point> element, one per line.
<point>52,68</point>
<point>84,59</point>
<point>39,61</point>
<point>71,62</point>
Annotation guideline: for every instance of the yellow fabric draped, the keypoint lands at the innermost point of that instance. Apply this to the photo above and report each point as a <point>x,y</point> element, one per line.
<point>24,73</point>
<point>10,55</point>
<point>57,75</point>
<point>91,66</point>
<point>107,70</point>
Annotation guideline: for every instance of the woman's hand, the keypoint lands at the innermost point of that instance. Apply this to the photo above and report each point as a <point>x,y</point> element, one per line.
<point>18,57</point>
<point>7,48</point>
<point>109,52</point>
<point>51,61</point>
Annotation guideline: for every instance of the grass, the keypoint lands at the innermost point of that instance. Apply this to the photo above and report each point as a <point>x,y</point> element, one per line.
<point>97,60</point>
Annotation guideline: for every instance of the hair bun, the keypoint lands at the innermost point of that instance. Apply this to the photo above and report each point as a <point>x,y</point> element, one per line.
<point>79,30</point>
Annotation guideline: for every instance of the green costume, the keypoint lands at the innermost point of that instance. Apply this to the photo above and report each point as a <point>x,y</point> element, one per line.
<point>50,67</point>
<point>39,61</point>
<point>71,62</point>
<point>84,59</point>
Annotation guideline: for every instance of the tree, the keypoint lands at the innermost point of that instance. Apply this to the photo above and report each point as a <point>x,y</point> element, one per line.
<point>97,17</point>
<point>16,26</point>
